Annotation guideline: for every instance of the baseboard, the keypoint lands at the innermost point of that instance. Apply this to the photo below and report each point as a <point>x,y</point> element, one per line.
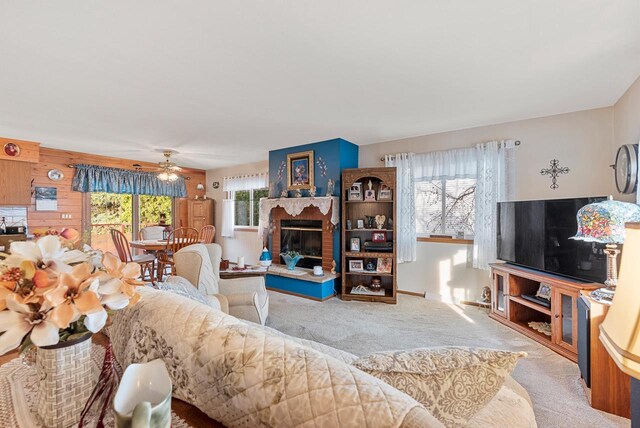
<point>412,293</point>
<point>291,293</point>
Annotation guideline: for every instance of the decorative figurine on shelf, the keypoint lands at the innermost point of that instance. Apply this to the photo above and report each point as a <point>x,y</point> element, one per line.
<point>370,219</point>
<point>333,266</point>
<point>376,283</point>
<point>370,194</point>
<point>265,257</point>
<point>298,193</point>
<point>330,187</point>
<point>380,219</point>
<point>284,194</point>
<point>390,224</point>
<point>312,192</point>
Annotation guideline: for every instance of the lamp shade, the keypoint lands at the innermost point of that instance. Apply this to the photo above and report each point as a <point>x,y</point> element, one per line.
<point>620,330</point>
<point>604,221</point>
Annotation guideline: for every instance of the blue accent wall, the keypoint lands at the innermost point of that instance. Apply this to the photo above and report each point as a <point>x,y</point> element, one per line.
<point>336,154</point>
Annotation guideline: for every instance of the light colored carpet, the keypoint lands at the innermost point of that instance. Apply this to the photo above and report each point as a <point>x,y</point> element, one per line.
<point>361,328</point>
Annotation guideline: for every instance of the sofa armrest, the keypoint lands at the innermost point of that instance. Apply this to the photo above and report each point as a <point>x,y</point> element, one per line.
<point>238,299</point>
<point>252,284</point>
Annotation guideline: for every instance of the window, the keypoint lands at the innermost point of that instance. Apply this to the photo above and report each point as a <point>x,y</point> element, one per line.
<point>247,206</point>
<point>118,211</point>
<point>446,206</point>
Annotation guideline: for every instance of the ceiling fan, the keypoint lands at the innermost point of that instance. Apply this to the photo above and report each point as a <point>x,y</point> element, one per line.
<point>168,169</point>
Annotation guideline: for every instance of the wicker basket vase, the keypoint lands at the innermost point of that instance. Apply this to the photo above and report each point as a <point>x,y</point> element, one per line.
<point>66,379</point>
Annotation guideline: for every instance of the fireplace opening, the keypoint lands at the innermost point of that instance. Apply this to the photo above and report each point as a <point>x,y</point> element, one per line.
<point>305,237</point>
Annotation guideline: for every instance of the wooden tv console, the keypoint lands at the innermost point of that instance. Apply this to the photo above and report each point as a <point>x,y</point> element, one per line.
<point>510,282</point>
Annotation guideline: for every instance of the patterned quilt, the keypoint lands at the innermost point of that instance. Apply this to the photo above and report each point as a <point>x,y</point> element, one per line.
<point>243,375</point>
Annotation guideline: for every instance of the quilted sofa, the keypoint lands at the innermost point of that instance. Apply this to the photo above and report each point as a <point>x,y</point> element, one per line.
<point>242,374</point>
<point>247,298</point>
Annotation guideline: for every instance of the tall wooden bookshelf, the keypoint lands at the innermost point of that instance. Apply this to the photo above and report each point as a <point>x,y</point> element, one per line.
<point>358,209</point>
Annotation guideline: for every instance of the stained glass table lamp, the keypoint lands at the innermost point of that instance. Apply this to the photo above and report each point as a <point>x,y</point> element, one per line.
<point>603,222</point>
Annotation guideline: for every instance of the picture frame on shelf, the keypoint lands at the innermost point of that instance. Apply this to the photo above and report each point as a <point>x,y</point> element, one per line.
<point>356,265</point>
<point>360,223</point>
<point>385,264</point>
<point>370,266</point>
<point>354,244</point>
<point>355,192</point>
<point>384,194</point>
<point>369,195</point>
<point>379,237</point>
<point>300,170</point>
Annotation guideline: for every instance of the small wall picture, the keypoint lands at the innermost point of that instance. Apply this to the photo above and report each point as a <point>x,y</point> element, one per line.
<point>354,244</point>
<point>46,198</point>
<point>384,265</point>
<point>369,195</point>
<point>384,193</point>
<point>355,192</point>
<point>356,266</point>
<point>360,223</point>
<point>300,170</point>
<point>379,237</point>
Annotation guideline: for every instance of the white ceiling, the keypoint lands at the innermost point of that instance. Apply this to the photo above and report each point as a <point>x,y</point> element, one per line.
<point>223,82</point>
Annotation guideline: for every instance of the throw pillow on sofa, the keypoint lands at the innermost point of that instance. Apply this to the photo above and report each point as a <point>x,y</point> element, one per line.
<point>182,287</point>
<point>453,383</point>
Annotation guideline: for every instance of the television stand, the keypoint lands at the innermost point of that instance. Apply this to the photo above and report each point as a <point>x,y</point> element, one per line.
<point>510,283</point>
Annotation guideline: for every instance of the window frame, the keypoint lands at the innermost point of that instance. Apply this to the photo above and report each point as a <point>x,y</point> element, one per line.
<point>429,236</point>
<point>253,223</point>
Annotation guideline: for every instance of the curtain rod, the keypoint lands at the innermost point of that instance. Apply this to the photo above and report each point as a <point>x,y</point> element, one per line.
<point>517,143</point>
<point>257,174</point>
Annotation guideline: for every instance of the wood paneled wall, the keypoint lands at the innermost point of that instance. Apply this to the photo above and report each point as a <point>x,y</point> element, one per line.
<point>70,202</point>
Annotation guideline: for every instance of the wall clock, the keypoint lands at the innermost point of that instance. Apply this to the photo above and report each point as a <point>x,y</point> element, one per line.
<point>626,168</point>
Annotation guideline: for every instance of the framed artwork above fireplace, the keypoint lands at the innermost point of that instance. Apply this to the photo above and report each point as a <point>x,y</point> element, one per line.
<point>300,170</point>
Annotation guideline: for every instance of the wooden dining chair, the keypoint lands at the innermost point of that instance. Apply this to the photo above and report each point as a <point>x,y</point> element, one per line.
<point>151,232</point>
<point>177,239</point>
<point>146,261</point>
<point>207,234</point>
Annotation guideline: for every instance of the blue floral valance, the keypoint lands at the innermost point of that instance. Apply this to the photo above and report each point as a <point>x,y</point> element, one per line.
<point>92,178</point>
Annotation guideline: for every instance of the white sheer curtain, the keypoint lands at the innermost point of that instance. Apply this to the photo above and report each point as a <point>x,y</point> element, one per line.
<point>246,182</point>
<point>405,221</point>
<point>228,214</point>
<point>234,184</point>
<point>446,164</point>
<point>495,180</point>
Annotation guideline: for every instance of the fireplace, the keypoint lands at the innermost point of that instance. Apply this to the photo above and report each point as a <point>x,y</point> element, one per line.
<point>310,233</point>
<point>304,237</point>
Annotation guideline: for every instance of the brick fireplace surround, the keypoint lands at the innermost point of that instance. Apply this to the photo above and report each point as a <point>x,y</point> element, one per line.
<point>309,213</point>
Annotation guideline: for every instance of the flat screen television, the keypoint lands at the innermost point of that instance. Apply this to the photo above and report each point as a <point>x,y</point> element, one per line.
<point>535,234</point>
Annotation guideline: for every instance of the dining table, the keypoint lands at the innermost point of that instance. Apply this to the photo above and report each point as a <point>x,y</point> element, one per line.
<point>149,244</point>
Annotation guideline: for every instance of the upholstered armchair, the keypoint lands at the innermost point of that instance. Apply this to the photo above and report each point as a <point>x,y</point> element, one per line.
<point>247,298</point>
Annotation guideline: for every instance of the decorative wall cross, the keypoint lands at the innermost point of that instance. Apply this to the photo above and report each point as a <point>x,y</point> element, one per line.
<point>554,171</point>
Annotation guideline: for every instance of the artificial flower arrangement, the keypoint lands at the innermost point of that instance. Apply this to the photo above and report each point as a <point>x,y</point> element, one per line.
<point>54,289</point>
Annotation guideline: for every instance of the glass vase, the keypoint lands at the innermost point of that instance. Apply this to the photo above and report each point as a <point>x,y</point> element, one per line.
<point>291,261</point>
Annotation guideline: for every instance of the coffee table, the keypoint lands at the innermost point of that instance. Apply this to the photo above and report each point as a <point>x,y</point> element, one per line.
<point>250,270</point>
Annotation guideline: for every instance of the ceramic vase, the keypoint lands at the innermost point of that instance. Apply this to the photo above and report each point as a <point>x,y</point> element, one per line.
<point>66,379</point>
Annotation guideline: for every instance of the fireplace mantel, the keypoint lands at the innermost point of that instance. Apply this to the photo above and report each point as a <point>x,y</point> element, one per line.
<point>295,206</point>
